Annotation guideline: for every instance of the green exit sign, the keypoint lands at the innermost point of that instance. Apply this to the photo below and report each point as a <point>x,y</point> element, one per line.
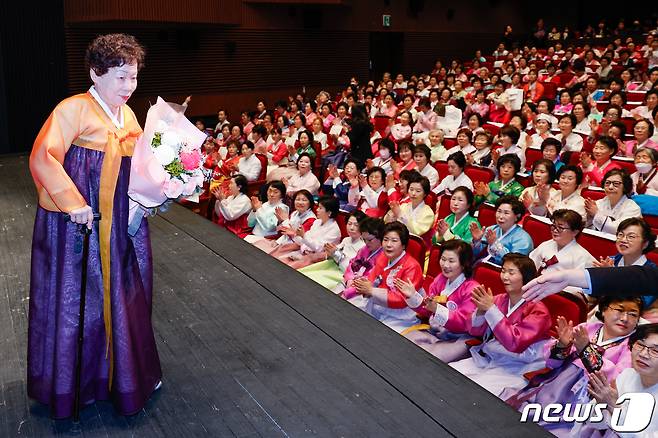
<point>386,20</point>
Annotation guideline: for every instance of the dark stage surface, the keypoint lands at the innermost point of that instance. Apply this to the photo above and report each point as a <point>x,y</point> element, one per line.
<point>248,347</point>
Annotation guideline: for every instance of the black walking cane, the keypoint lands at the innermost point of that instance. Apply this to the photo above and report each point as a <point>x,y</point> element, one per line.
<point>85,231</point>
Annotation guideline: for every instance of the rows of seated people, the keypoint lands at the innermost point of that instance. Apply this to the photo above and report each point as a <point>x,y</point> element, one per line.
<point>429,203</point>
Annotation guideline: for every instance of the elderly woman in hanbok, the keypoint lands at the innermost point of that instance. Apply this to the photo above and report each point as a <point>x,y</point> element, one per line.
<point>329,273</point>
<point>606,213</point>
<point>365,259</point>
<point>416,215</point>
<point>448,305</point>
<point>587,348</point>
<point>567,197</point>
<point>505,236</point>
<point>377,294</point>
<point>514,331</point>
<point>402,130</point>
<point>385,158</point>
<point>457,225</point>
<point>231,211</point>
<point>346,191</point>
<point>226,167</point>
<point>262,217</point>
<point>456,176</point>
<point>302,216</point>
<point>374,198</point>
<point>596,165</point>
<point>543,175</point>
<point>303,179</point>
<point>405,159</point>
<point>644,179</point>
<point>307,247</point>
<point>506,184</point>
<point>642,133</point>
<point>641,377</point>
<point>81,164</point>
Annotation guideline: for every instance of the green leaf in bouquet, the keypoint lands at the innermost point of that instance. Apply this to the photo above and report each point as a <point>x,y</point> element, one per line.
<point>157,139</point>
<point>175,168</point>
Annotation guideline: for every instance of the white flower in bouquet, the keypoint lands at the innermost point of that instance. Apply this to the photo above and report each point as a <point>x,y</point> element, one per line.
<point>164,154</point>
<point>172,139</point>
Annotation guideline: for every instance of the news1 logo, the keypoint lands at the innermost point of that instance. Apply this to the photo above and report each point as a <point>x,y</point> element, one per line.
<point>635,417</point>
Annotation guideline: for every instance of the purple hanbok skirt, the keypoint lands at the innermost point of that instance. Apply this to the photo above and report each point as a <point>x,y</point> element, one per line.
<point>566,384</point>
<point>54,303</point>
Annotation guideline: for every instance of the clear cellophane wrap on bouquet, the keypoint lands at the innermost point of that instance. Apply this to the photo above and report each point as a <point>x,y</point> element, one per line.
<point>166,163</point>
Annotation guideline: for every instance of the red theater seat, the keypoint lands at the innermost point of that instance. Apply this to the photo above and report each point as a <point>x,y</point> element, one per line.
<point>488,275</point>
<point>416,249</point>
<point>598,244</point>
<point>477,173</point>
<point>433,267</point>
<point>539,229</point>
<point>487,214</point>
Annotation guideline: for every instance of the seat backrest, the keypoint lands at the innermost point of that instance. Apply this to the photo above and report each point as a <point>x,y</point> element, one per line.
<point>416,249</point>
<point>487,214</point>
<point>488,275</point>
<point>341,220</point>
<point>477,173</point>
<point>263,167</point>
<point>630,124</point>
<point>592,194</point>
<point>532,155</point>
<point>652,221</point>
<point>444,207</point>
<point>433,267</point>
<point>538,228</point>
<point>441,167</point>
<point>449,142</point>
<point>596,243</point>
<point>494,129</point>
<point>560,305</point>
<point>625,163</point>
<point>550,89</point>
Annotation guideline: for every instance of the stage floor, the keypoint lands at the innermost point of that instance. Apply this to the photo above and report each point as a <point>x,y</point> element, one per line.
<point>248,347</point>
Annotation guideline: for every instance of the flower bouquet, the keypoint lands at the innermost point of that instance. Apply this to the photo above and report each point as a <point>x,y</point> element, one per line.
<point>167,163</point>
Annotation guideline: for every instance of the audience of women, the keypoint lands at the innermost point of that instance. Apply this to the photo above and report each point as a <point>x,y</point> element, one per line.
<point>607,213</point>
<point>456,176</point>
<point>505,236</point>
<point>457,225</point>
<point>513,331</point>
<point>329,273</point>
<point>377,293</point>
<point>415,214</point>
<point>231,211</point>
<point>591,347</point>
<point>262,217</point>
<point>307,247</point>
<point>447,306</point>
<point>566,197</point>
<point>505,184</point>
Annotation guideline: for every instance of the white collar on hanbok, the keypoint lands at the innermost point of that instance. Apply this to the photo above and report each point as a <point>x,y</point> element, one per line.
<point>119,123</point>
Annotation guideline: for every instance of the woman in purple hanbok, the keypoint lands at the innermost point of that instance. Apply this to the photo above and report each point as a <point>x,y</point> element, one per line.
<point>586,348</point>
<point>80,163</point>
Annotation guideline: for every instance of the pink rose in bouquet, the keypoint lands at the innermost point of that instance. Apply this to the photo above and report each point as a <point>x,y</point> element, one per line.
<point>190,160</point>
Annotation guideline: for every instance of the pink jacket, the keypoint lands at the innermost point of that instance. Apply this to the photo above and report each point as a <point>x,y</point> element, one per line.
<point>528,324</point>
